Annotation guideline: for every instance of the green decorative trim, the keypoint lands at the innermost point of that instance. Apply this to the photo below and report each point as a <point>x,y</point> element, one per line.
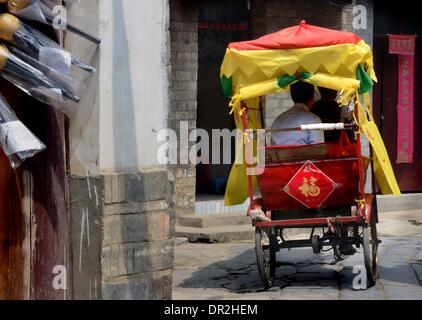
<point>227,85</point>
<point>366,83</point>
<point>286,80</point>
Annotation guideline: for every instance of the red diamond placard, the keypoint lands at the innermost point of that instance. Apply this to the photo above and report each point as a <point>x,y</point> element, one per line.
<point>310,186</point>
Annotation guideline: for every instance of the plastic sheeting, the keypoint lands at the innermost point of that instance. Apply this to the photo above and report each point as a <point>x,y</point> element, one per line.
<point>36,44</point>
<point>43,11</point>
<point>16,140</point>
<point>38,80</point>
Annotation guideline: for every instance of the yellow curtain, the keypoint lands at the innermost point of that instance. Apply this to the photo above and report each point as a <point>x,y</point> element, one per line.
<point>237,186</point>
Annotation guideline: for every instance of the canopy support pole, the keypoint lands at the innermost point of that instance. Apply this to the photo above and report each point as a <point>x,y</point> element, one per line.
<point>248,160</point>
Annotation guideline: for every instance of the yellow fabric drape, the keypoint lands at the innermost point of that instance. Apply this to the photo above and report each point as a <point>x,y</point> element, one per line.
<point>382,166</point>
<point>271,86</point>
<point>251,67</point>
<point>237,186</point>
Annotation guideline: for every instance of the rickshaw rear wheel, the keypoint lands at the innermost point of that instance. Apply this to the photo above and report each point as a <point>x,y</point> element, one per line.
<point>266,248</point>
<point>370,250</point>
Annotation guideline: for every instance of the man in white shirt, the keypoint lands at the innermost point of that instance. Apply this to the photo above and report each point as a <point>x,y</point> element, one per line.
<point>303,95</point>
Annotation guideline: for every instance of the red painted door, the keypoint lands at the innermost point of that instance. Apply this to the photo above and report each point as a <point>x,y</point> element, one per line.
<point>385,108</point>
<point>13,258</point>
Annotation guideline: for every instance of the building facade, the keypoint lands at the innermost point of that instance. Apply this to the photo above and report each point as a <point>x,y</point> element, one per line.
<point>94,216</point>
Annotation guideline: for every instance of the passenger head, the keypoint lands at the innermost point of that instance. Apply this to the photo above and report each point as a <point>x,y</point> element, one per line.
<point>303,92</point>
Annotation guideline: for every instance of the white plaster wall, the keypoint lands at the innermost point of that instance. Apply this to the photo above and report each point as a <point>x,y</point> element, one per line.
<point>129,100</point>
<point>133,83</point>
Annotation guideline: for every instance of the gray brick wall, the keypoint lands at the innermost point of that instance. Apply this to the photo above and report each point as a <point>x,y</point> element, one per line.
<point>122,236</point>
<point>86,221</point>
<point>138,242</point>
<point>272,15</point>
<point>367,35</point>
<point>184,90</point>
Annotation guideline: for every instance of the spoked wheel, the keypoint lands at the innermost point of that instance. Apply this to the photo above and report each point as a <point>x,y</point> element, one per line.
<point>265,247</point>
<point>370,250</point>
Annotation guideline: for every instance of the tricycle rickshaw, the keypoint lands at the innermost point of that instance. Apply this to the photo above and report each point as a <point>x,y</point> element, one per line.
<point>320,187</point>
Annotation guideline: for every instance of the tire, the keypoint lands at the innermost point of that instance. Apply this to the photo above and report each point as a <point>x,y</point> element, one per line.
<point>370,251</point>
<point>266,255</point>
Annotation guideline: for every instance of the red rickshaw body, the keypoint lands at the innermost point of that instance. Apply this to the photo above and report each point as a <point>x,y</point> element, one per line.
<point>320,187</point>
<point>310,177</point>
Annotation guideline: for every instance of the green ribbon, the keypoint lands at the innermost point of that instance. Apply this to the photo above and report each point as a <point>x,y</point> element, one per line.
<point>227,85</point>
<point>366,83</point>
<point>286,80</point>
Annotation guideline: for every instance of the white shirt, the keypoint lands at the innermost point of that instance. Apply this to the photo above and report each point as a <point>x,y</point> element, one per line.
<point>295,117</point>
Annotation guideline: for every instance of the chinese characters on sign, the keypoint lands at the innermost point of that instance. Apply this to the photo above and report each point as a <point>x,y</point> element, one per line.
<point>310,186</point>
<point>404,46</point>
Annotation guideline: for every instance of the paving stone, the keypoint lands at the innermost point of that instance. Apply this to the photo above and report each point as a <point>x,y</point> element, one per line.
<point>300,293</point>
<point>403,293</point>
<point>229,271</point>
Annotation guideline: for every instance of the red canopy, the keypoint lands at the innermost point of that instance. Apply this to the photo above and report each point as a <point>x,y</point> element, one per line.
<point>302,36</point>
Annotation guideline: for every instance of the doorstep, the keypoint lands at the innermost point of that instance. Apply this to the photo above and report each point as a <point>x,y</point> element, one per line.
<point>222,227</point>
<point>217,234</point>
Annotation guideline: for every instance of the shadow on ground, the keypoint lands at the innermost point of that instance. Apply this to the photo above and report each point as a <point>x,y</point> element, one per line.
<point>300,268</point>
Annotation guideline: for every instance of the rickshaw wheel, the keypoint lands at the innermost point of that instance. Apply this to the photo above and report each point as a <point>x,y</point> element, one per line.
<point>370,251</point>
<point>265,248</point>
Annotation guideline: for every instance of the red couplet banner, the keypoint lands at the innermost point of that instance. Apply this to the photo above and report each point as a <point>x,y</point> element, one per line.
<point>400,44</point>
<point>404,46</point>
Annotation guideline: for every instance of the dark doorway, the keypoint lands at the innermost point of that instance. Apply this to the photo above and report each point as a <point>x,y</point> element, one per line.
<point>393,19</point>
<point>220,22</point>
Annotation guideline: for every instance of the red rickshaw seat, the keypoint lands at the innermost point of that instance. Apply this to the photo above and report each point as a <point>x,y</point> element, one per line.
<point>310,176</point>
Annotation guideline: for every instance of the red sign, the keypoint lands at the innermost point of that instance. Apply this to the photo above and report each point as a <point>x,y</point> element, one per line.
<point>405,135</point>
<point>400,44</point>
<point>405,47</point>
<point>310,186</point>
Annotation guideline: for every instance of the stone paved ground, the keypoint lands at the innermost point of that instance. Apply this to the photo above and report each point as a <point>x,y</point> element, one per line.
<point>228,271</point>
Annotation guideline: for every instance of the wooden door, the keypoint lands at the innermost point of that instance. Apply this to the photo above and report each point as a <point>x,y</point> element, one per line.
<point>14,260</point>
<point>34,219</point>
<point>49,209</point>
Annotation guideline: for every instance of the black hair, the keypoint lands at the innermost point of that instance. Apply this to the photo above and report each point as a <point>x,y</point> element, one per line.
<point>327,94</point>
<point>302,92</point>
